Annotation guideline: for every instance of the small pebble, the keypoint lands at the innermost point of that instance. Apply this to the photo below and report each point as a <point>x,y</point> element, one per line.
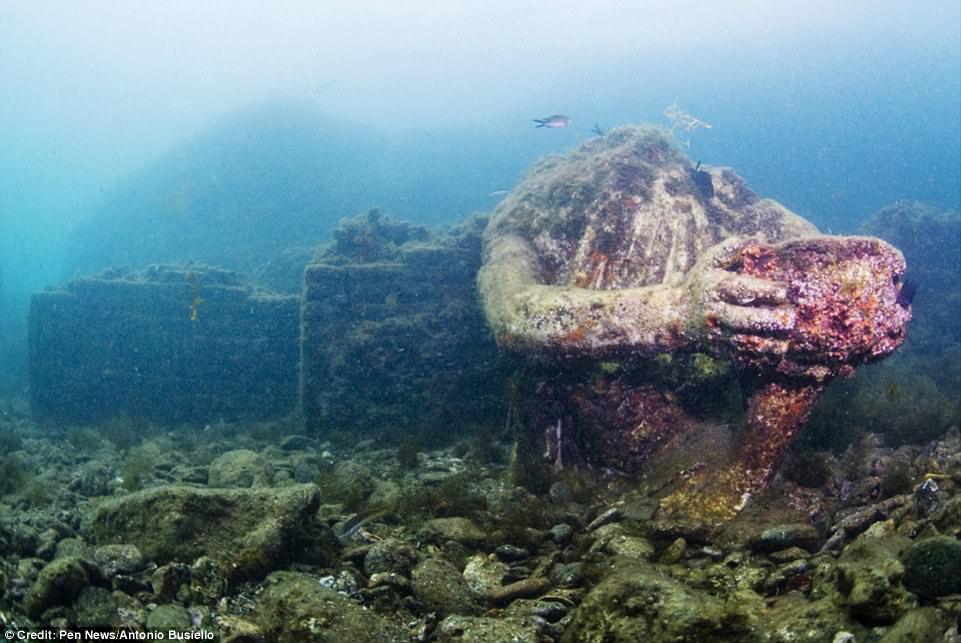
<point>611,515</point>
<point>561,533</point>
<point>511,553</point>
<point>521,589</point>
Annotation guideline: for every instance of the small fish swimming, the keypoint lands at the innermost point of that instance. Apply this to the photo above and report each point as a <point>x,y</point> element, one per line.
<point>347,529</point>
<point>906,293</point>
<point>555,121</point>
<point>597,130</point>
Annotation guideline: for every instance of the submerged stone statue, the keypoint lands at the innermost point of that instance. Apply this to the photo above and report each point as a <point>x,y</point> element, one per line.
<point>604,261</point>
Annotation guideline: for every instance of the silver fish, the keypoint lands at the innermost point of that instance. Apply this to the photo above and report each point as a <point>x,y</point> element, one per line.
<point>555,121</point>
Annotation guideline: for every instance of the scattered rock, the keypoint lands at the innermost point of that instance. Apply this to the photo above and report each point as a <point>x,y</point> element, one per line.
<point>561,533</point>
<point>441,588</point>
<point>484,575</point>
<point>674,552</point>
<point>568,575</point>
<point>460,530</point>
<point>482,629</point>
<point>59,583</point>
<point>294,608</point>
<point>932,567</point>
<point>390,555</point>
<point>169,617</point>
<point>297,443</point>
<point>521,589</point>
<point>239,468</point>
<point>785,536</point>
<point>248,531</point>
<point>607,517</point>
<point>96,608</point>
<point>353,483</point>
<point>869,579</point>
<point>635,603</point>
<point>919,626</point>
<point>234,629</point>
<point>511,553</point>
<point>118,559</point>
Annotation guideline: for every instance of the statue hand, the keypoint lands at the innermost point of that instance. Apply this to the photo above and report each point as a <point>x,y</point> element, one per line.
<point>813,307</point>
<point>736,311</point>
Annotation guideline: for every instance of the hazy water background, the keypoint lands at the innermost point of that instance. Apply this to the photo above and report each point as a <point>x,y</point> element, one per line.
<point>834,109</point>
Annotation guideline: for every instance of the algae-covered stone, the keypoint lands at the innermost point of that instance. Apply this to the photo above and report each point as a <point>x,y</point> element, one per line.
<point>208,580</point>
<point>96,608</point>
<point>239,468</point>
<point>59,583</point>
<point>482,629</point>
<point>635,603</point>
<point>932,567</point>
<point>169,617</point>
<point>948,517</point>
<point>458,529</point>
<point>390,555</point>
<point>795,617</point>
<point>869,579</point>
<point>234,629</point>
<point>295,608</point>
<point>485,575</point>
<point>785,536</point>
<point>118,559</point>
<point>615,540</point>
<point>441,588</point>
<point>353,483</point>
<point>918,626</point>
<point>167,580</point>
<point>248,531</point>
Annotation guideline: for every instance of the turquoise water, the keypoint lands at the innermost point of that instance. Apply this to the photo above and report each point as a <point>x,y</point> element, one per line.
<point>109,115</point>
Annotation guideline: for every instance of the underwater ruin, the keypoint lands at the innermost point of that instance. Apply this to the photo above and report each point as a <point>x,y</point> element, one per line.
<point>449,436</point>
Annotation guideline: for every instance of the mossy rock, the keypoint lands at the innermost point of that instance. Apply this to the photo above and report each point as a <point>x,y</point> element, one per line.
<point>636,603</point>
<point>919,626</point>
<point>932,567</point>
<point>96,607</point>
<point>248,531</point>
<point>294,608</point>
<point>240,468</point>
<point>483,629</point>
<point>441,588</point>
<point>59,583</point>
<point>869,577</point>
<point>169,617</point>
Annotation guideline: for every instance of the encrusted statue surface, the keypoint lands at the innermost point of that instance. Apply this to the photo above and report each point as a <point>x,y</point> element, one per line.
<point>603,261</point>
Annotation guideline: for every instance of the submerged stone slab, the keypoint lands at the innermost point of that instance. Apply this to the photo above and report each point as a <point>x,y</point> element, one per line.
<point>392,336</point>
<point>248,532</point>
<point>187,344</point>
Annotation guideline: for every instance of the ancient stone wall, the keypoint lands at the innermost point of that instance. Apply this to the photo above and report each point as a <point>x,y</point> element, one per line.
<point>392,334</point>
<point>172,344</point>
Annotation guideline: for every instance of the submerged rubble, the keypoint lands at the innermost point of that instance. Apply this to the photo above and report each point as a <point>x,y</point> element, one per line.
<point>286,530</point>
<point>448,550</point>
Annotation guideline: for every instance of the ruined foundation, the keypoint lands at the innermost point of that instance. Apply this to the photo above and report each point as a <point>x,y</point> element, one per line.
<point>167,344</point>
<point>397,343</point>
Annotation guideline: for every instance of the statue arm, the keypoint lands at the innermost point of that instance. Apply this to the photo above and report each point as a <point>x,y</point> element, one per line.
<point>712,308</point>
<point>530,316</point>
